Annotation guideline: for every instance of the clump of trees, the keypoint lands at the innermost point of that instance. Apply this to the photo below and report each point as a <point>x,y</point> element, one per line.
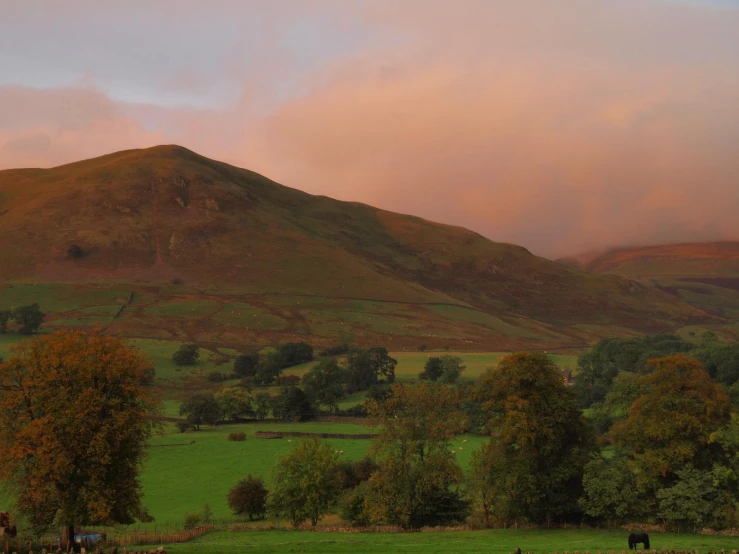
<point>445,369</point>
<point>27,318</point>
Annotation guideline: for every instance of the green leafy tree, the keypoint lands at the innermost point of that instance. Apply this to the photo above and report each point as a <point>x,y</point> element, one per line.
<point>201,409</point>
<point>382,363</point>
<point>451,368</point>
<point>187,354</point>
<point>324,384</point>
<point>29,318</point>
<point>304,484</point>
<point>262,405</point>
<point>674,423</point>
<point>539,441</point>
<point>245,365</point>
<point>365,367</point>
<point>294,353</point>
<point>609,490</point>
<point>292,405</point>
<point>5,316</point>
<point>432,369</point>
<point>74,425</point>
<point>249,497</point>
<point>269,369</point>
<point>234,402</point>
<point>693,501</point>
<point>418,477</point>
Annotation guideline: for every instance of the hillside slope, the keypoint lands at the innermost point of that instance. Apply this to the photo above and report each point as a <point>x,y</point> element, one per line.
<point>704,274</point>
<point>165,214</point>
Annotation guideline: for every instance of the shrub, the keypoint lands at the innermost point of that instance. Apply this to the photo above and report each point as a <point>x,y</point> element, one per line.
<point>192,520</point>
<point>240,436</point>
<point>249,497</point>
<point>288,380</point>
<point>336,350</point>
<point>217,376</point>
<point>184,426</point>
<point>187,354</point>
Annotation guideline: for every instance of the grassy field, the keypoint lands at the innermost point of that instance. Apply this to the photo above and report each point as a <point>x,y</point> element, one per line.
<point>498,541</point>
<point>186,470</point>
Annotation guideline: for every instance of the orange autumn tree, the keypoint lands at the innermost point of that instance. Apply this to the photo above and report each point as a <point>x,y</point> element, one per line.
<point>74,422</point>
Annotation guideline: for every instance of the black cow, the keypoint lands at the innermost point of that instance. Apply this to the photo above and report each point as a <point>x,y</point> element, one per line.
<point>635,538</point>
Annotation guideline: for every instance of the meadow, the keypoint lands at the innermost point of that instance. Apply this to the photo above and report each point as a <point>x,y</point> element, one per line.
<point>497,541</point>
<point>184,471</point>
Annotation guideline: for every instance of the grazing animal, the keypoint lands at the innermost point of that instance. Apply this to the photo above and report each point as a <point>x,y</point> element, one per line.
<point>635,538</point>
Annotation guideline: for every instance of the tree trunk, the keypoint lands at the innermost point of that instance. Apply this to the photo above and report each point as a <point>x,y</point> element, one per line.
<point>67,534</point>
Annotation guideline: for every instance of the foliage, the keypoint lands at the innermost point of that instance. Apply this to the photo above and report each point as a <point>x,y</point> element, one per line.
<point>609,489</point>
<point>674,423</point>
<point>304,485</point>
<point>446,369</point>
<point>249,497</point>
<point>350,474</point>
<point>365,367</point>
<point>417,467</point>
<point>239,437</point>
<point>217,376</point>
<point>292,405</point>
<point>294,353</point>
<point>245,365</point>
<point>193,520</point>
<point>5,316</point>
<point>74,424</point>
<point>539,441</point>
<point>323,384</point>
<point>693,500</point>
<point>29,318</point>
<point>234,402</point>
<point>262,405</point>
<point>187,354</point>
<point>201,409</point>
<point>268,369</point>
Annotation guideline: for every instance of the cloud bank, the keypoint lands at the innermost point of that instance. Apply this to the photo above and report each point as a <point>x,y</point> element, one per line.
<point>559,126</point>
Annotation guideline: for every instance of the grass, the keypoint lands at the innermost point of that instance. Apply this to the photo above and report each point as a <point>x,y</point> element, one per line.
<point>498,541</point>
<point>56,298</point>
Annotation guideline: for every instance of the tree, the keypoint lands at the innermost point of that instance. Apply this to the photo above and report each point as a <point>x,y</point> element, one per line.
<point>418,475</point>
<point>269,369</point>
<point>292,405</point>
<point>693,500</point>
<point>432,369</point>
<point>451,368</point>
<point>74,425</point>
<point>539,441</point>
<point>249,497</point>
<point>29,318</point>
<point>5,316</point>
<point>245,365</point>
<point>382,363</point>
<point>201,409</point>
<point>365,367</point>
<point>294,353</point>
<point>262,405</point>
<point>674,423</point>
<point>234,402</point>
<point>187,354</point>
<point>304,484</point>
<point>609,489</point>
<point>323,384</point>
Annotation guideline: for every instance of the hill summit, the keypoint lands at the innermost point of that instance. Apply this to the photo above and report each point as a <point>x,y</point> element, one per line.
<point>167,214</point>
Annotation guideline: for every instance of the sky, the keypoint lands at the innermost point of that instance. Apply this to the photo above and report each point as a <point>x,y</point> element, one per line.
<point>564,126</point>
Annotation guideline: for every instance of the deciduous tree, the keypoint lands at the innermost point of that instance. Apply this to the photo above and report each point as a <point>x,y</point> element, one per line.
<point>416,482</point>
<point>29,318</point>
<point>304,484</point>
<point>187,354</point>
<point>74,423</point>
<point>324,384</point>
<point>249,497</point>
<point>539,440</point>
<point>201,409</point>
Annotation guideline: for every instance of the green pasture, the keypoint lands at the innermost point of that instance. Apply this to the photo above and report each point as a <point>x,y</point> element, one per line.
<point>56,297</point>
<point>497,541</point>
<point>240,314</point>
<point>160,353</point>
<point>186,470</point>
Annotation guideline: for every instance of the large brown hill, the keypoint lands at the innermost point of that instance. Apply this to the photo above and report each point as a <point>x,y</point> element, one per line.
<point>166,215</point>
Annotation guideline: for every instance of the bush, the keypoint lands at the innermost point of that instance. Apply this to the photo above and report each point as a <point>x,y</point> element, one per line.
<point>218,376</point>
<point>240,436</point>
<point>187,354</point>
<point>184,426</point>
<point>193,520</point>
<point>249,497</point>
<point>288,380</point>
<point>336,350</point>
